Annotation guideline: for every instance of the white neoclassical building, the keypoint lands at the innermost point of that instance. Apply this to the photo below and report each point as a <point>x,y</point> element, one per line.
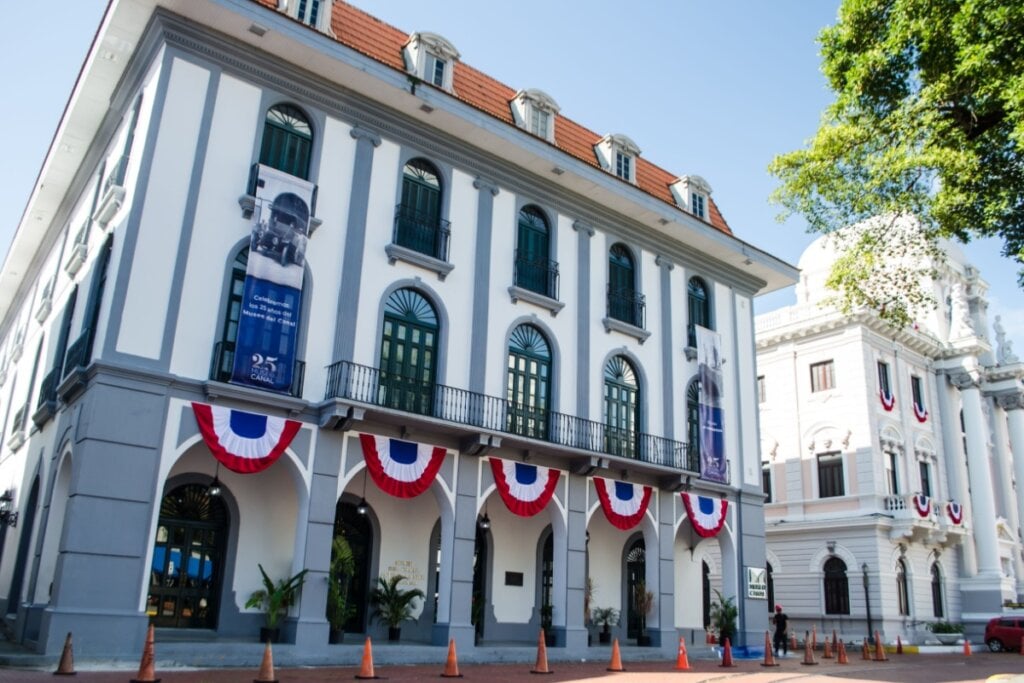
<point>290,273</point>
<point>889,458</point>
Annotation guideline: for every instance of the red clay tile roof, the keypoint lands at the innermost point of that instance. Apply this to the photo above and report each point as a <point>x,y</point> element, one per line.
<point>372,37</point>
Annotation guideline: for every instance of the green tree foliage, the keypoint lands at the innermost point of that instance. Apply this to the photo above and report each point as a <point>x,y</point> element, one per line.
<point>928,121</point>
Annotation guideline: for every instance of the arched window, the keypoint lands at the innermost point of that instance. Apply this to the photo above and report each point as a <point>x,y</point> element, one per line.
<point>902,594</point>
<point>534,269</point>
<point>418,224</point>
<point>287,140</point>
<point>621,407</point>
<point>224,349</point>
<point>408,352</point>
<point>698,309</point>
<point>693,425</point>
<point>529,377</point>
<point>636,575</point>
<point>623,301</point>
<point>770,572</point>
<point>837,588</point>
<point>937,608</point>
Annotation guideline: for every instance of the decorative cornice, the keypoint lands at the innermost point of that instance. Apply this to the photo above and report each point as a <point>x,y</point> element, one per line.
<point>1011,401</point>
<point>963,380</point>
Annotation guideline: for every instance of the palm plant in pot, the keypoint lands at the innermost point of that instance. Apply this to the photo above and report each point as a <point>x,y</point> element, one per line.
<point>339,609</point>
<point>723,617</point>
<point>606,617</point>
<point>393,605</point>
<point>275,599</point>
<point>946,632</point>
<point>643,602</point>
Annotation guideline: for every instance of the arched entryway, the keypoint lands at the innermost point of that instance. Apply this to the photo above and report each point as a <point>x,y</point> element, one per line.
<point>357,530</point>
<point>636,573</point>
<point>705,588</point>
<point>188,559</point>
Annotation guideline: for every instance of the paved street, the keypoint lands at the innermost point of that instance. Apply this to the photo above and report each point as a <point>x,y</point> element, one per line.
<point>900,669</point>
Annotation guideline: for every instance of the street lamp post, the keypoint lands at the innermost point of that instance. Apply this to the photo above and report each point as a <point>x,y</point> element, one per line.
<point>867,603</point>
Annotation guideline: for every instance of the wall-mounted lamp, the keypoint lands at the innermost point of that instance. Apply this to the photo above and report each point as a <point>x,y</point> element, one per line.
<point>362,507</point>
<point>8,515</point>
<point>485,522</point>
<point>214,489</point>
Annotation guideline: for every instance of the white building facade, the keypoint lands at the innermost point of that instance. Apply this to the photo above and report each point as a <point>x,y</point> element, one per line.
<point>328,266</point>
<point>889,460</point>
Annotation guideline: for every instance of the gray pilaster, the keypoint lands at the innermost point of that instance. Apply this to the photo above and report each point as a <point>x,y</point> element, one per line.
<point>479,349</point>
<point>575,632</point>
<point>667,355</point>
<point>355,244</point>
<point>463,545</point>
<point>666,636</point>
<point>583,369</point>
<point>753,621</point>
<point>311,629</point>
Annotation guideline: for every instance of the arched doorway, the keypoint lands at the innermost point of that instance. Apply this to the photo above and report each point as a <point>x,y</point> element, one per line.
<point>477,610</point>
<point>706,593</point>
<point>358,532</point>
<point>21,559</point>
<point>188,559</point>
<point>636,572</point>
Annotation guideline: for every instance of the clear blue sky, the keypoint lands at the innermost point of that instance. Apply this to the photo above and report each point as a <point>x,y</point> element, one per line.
<point>712,88</point>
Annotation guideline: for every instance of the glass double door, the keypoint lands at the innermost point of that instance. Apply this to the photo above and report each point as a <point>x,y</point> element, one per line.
<point>407,366</point>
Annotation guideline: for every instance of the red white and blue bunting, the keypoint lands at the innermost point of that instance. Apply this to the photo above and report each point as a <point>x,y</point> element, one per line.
<point>707,515</point>
<point>526,489</point>
<point>923,505</point>
<point>624,504</point>
<point>920,412</point>
<point>955,511</point>
<point>888,400</point>
<point>244,442</point>
<point>399,468</point>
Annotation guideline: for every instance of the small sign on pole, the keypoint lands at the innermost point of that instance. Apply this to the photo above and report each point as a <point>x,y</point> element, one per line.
<point>757,583</point>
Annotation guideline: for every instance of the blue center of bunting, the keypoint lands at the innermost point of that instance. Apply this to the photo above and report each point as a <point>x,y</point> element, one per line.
<point>623,491</point>
<point>248,425</point>
<point>706,505</point>
<point>403,452</point>
<point>526,474</point>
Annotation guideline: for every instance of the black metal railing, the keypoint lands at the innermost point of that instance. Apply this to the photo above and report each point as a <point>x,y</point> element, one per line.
<point>117,174</point>
<point>48,388</point>
<point>223,362</point>
<point>78,352</point>
<point>364,384</point>
<point>537,275</point>
<point>422,232</point>
<point>627,305</point>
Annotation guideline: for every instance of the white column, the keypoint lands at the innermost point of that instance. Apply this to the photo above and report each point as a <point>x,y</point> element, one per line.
<point>982,506</point>
<point>1004,465</point>
<point>1013,404</point>
<point>956,468</point>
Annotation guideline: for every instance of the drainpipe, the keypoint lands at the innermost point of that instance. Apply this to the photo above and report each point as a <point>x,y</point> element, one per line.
<point>867,604</point>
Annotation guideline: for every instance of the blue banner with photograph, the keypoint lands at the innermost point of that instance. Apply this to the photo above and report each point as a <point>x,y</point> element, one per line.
<point>271,305</point>
<point>713,464</point>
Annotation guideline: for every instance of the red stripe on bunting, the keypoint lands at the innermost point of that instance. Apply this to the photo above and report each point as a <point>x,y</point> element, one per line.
<point>401,468</point>
<point>606,488</point>
<point>524,498</point>
<point>243,442</point>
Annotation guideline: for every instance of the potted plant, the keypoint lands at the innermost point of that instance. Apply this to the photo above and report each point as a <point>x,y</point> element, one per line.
<point>723,617</point>
<point>643,602</point>
<point>606,617</point>
<point>275,599</point>
<point>339,610</point>
<point>946,632</point>
<point>393,605</point>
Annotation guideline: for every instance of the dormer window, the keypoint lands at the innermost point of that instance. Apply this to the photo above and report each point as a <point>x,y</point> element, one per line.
<point>617,154</point>
<point>315,13</point>
<point>692,193</point>
<point>431,58</point>
<point>534,110</point>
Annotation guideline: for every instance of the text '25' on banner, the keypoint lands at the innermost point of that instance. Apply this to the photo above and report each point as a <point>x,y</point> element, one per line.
<point>268,321</point>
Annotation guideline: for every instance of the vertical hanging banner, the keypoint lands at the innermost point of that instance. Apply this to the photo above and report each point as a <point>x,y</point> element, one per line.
<point>268,322</point>
<point>712,436</point>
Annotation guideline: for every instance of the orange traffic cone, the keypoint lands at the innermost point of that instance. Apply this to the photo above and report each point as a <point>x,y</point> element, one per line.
<point>879,650</point>
<point>616,663</point>
<point>769,659</point>
<point>726,653</point>
<point>451,667</point>
<point>541,667</point>
<point>899,645</point>
<point>865,652</point>
<point>827,654</point>
<point>146,673</point>
<point>66,667</point>
<point>366,668</point>
<point>841,654</point>
<point>682,661</point>
<point>967,648</point>
<point>266,674</point>
<point>808,653</point>
<point>792,641</point>
<point>712,639</point>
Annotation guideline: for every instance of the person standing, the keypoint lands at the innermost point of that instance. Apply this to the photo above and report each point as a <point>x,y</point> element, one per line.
<point>779,641</point>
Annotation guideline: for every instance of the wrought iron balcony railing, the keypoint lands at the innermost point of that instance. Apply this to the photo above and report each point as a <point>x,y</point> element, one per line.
<point>627,305</point>
<point>79,352</point>
<point>373,386</point>
<point>116,176</point>
<point>223,363</point>
<point>422,232</point>
<point>538,275</point>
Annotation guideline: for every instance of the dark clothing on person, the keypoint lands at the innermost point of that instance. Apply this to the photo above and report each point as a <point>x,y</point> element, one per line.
<point>779,640</point>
